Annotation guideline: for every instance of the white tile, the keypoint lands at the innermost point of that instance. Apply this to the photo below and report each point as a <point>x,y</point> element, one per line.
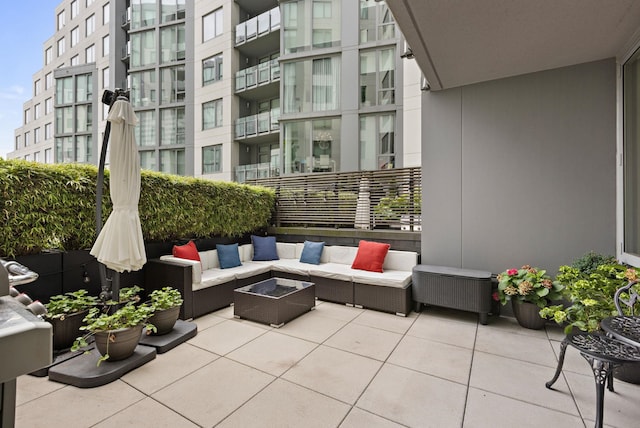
<point>338,374</point>
<point>520,380</point>
<point>226,336</point>
<point>313,327</point>
<point>206,321</point>
<point>487,410</point>
<point>385,321</point>
<point>435,358</point>
<point>147,413</point>
<point>209,394</point>
<point>444,330</point>
<point>284,404</point>
<point>519,346</point>
<point>336,311</point>
<point>510,324</point>
<point>364,340</point>
<point>32,387</point>
<point>358,418</point>
<point>168,367</point>
<point>414,399</point>
<point>72,407</point>
<point>273,352</point>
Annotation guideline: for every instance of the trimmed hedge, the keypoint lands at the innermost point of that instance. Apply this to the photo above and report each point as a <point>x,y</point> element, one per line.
<point>46,207</point>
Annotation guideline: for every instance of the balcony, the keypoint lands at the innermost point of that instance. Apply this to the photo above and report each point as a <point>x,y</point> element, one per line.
<point>125,20</point>
<point>126,52</point>
<point>258,124</point>
<point>255,171</point>
<point>258,26</point>
<point>258,75</point>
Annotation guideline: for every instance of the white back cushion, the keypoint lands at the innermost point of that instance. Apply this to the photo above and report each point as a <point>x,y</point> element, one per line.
<point>340,254</point>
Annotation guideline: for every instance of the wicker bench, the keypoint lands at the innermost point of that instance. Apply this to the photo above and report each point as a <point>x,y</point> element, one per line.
<point>464,289</point>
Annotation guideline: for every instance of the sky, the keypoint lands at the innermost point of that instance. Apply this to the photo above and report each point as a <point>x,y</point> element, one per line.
<point>25,28</point>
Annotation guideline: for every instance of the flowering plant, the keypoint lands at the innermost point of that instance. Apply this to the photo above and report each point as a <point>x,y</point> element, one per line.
<point>528,284</point>
<point>591,295</point>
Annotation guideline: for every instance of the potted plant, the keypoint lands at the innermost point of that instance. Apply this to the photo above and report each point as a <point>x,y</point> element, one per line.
<point>529,289</point>
<point>166,304</point>
<point>65,312</point>
<point>117,327</point>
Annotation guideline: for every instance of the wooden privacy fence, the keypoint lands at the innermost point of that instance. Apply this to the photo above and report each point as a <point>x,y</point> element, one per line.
<point>389,198</point>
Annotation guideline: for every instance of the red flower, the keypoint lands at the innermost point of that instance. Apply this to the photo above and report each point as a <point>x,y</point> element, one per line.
<point>495,296</point>
<point>511,272</point>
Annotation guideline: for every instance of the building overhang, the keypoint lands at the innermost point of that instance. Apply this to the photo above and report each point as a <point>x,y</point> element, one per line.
<point>458,43</point>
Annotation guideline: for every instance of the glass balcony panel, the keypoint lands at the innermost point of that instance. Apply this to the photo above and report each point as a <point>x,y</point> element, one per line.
<point>263,23</point>
<point>240,127</point>
<point>275,116</point>
<point>263,73</point>
<point>275,18</point>
<point>251,122</point>
<point>252,28</point>
<point>264,122</point>
<point>275,70</point>
<point>241,33</point>
<point>241,80</point>
<point>252,75</point>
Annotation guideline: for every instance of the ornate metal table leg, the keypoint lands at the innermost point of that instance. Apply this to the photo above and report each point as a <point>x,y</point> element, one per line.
<point>601,372</point>
<point>563,349</point>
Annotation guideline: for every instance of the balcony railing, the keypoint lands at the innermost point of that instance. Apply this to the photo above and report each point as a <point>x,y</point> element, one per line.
<point>261,123</point>
<point>258,26</point>
<point>261,74</point>
<point>389,198</point>
<point>255,171</point>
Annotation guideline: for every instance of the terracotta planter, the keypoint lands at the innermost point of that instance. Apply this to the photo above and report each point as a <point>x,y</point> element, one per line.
<point>164,320</point>
<point>527,314</point>
<point>122,344</point>
<point>66,330</point>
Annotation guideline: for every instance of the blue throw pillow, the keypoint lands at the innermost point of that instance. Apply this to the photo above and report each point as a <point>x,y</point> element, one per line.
<point>311,252</point>
<point>228,255</point>
<point>264,248</point>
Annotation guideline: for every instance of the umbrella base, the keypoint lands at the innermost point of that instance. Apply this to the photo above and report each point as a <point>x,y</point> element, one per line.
<point>182,331</point>
<point>83,371</point>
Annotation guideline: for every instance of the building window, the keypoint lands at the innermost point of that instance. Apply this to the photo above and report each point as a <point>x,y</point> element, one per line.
<point>148,160</point>
<point>27,116</point>
<point>36,136</point>
<point>75,60</point>
<point>74,9</point>
<point>61,47</point>
<point>36,157</point>
<point>48,131</point>
<point>48,80</point>
<point>47,156</point>
<point>143,48</point>
<point>377,77</point>
<point>172,126</point>
<point>377,141</point>
<point>89,3</point>
<point>212,25</point>
<point>64,150</point>
<point>105,78</point>
<point>311,85</point>
<point>105,14</point>
<point>376,21</point>
<point>170,10</point>
<point>84,118</point>
<point>311,146</point>
<point>18,142</point>
<point>64,120</point>
<point>75,36</point>
<point>145,132</point>
<point>83,149</point>
<point>212,69</point>
<point>48,55</point>
<point>143,13</point>
<point>105,45</point>
<point>48,106</point>
<point>37,87</point>
<point>90,25</point>
<point>27,138</point>
<point>90,54</point>
<point>306,29</point>
<point>172,43</point>
<point>172,85</point>
<point>143,88</point>
<point>84,88</point>
<point>631,156</point>
<point>172,161</point>
<point>212,159</point>
<point>61,20</point>
<point>212,114</point>
<point>37,111</point>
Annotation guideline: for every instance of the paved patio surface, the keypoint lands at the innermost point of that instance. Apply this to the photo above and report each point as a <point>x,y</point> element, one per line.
<point>339,366</point>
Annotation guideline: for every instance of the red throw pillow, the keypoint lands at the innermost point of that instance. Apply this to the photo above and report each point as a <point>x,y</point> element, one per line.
<point>186,251</point>
<point>370,256</point>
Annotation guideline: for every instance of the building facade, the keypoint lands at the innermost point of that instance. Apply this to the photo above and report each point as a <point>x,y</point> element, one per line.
<point>228,90</point>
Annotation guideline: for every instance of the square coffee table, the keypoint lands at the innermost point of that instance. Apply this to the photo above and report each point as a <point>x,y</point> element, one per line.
<point>274,301</point>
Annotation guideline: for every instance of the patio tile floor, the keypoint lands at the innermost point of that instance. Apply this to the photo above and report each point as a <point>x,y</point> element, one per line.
<point>339,366</point>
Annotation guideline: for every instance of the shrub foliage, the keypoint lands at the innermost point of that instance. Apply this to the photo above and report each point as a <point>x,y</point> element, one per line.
<point>53,207</point>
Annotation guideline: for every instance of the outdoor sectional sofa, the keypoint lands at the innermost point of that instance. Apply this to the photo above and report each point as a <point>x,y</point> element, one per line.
<point>206,287</point>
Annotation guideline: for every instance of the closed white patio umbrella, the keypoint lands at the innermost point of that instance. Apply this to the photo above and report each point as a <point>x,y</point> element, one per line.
<point>120,245</point>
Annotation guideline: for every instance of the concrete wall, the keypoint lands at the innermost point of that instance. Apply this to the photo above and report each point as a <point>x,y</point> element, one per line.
<point>520,170</point>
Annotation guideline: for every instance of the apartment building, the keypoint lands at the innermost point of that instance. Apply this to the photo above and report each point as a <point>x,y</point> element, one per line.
<point>229,90</point>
